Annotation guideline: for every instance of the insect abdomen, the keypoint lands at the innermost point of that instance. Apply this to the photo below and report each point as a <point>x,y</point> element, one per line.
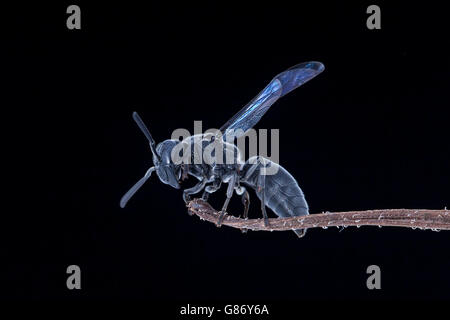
<point>282,193</point>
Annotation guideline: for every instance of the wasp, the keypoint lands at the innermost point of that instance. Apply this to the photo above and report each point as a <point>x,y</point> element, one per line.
<point>280,191</point>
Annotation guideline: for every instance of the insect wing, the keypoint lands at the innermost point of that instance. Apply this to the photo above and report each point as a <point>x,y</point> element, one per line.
<point>248,116</point>
<point>280,85</point>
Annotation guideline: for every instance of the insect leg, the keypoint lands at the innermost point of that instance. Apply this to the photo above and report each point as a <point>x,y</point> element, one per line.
<point>230,189</point>
<point>195,189</point>
<point>261,188</point>
<point>246,201</point>
<point>184,172</point>
<point>212,188</point>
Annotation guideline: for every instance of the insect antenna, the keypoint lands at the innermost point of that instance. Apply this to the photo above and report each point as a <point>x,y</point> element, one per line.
<point>136,187</point>
<point>146,132</point>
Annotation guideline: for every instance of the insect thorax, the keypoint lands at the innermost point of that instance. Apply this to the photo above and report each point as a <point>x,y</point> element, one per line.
<point>204,155</point>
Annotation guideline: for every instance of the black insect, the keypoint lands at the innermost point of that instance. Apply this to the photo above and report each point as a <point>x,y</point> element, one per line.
<point>280,192</point>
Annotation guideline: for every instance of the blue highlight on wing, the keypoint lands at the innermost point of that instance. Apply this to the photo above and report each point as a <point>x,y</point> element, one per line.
<point>297,75</point>
<point>259,104</point>
<point>280,85</point>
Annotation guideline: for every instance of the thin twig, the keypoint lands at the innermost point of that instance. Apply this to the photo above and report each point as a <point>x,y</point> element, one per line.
<point>410,218</point>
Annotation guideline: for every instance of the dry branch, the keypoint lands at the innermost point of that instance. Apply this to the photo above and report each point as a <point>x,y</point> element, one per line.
<point>409,218</point>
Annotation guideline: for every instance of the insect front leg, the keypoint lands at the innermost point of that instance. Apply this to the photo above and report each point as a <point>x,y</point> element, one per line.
<point>195,189</point>
<point>230,189</point>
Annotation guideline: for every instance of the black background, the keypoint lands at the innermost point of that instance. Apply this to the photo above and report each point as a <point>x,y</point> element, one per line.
<point>370,132</point>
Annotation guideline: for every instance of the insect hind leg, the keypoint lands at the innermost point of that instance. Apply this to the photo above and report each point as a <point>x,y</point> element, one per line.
<point>261,188</point>
<point>245,198</point>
